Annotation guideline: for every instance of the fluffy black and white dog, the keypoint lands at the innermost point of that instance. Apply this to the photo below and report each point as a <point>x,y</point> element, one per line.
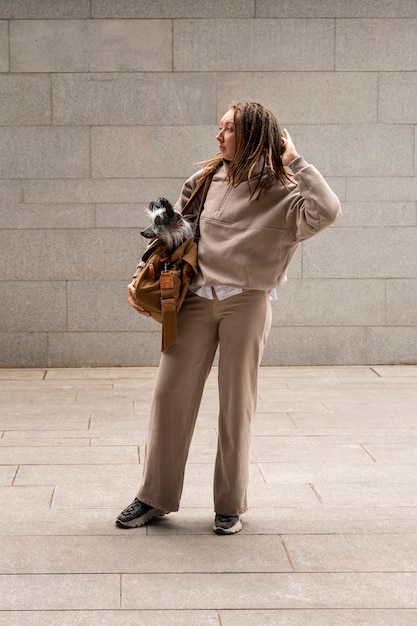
<point>168,225</point>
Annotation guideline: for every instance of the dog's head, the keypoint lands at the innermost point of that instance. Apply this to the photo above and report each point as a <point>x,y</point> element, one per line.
<point>168,225</point>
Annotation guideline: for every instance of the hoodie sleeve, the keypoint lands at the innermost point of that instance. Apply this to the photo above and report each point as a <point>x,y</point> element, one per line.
<point>312,204</point>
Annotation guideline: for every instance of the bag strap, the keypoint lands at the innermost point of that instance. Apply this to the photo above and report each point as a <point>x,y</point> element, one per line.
<point>169,310</point>
<point>206,185</point>
<point>201,189</point>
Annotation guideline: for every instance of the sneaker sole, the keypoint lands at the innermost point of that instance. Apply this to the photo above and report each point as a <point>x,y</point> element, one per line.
<point>228,531</point>
<point>140,521</point>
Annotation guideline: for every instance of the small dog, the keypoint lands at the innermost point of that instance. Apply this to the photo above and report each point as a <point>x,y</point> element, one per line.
<point>168,225</point>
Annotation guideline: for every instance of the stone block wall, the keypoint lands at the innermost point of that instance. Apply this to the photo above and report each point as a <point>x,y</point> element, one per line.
<point>107,104</point>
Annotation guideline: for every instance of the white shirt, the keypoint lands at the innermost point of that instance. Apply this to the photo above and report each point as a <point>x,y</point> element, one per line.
<point>223,292</point>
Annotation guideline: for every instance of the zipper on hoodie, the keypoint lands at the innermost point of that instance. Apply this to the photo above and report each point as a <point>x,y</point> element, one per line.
<point>222,202</point>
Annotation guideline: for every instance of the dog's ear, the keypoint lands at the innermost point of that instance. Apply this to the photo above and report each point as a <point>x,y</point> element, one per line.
<point>163,202</point>
<point>153,206</point>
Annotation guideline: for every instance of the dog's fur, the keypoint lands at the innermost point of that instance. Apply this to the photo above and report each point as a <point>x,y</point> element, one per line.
<point>168,225</point>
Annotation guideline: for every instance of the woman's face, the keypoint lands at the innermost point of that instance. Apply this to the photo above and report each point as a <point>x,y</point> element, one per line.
<point>226,135</point>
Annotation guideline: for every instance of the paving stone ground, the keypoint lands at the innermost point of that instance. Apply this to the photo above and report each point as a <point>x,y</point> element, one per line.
<point>330,537</point>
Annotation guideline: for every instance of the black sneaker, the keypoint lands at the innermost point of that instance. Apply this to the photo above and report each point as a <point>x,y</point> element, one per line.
<point>137,514</point>
<point>227,524</point>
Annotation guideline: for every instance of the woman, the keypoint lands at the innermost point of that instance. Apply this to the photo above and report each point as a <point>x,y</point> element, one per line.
<point>255,215</point>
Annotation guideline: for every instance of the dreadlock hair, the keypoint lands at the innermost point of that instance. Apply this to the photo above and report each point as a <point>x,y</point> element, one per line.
<point>258,143</point>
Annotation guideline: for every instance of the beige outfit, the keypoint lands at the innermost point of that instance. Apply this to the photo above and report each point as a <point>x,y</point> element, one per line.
<point>246,245</point>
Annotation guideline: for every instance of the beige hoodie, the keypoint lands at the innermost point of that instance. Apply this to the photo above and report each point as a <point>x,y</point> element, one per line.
<point>249,244</point>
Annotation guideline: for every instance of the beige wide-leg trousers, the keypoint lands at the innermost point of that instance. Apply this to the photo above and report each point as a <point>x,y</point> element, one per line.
<point>239,325</point>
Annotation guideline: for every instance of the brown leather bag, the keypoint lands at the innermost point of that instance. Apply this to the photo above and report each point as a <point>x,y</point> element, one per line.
<point>162,283</point>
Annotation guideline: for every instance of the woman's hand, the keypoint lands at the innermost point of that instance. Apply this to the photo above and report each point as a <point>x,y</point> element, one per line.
<point>289,152</point>
<point>131,290</point>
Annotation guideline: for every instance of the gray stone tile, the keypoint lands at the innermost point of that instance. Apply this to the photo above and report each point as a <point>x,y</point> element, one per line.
<point>171,9</point>
<point>351,260</point>
<point>108,373</point>
<point>315,346</point>
<point>385,400</point>
<point>116,618</point>
<point>300,495</point>
<point>381,188</point>
<point>393,418</point>
<point>126,215</point>
<point>45,419</point>
<point>44,152</point>
<point>381,397</point>
<point>391,47</point>
<point>85,254</point>
<point>266,424</point>
<point>351,520</point>
<point>129,438</point>
<point>397,344</point>
<point>394,371</point>
<point>356,150</point>
<point>314,374</point>
<point>49,216</point>
<point>364,436</point>
<point>22,374</point>
<point>23,349</point>
<point>377,214</point>
<point>119,152</point>
<point>44,9</point>
<point>355,303</point>
<point>90,46</point>
<point>397,92</point>
<point>25,100</point>
<point>111,190</point>
<point>47,311</point>
<point>130,552</point>
<point>334,8</point>
<point>90,437</point>
<point>139,98</point>
<point>349,553</point>
<point>7,474</point>
<point>403,454</point>
<point>54,592</point>
<point>11,194</point>
<point>334,98</point>
<point>269,449</point>
<point>46,522</point>
<point>321,617</point>
<point>401,306</point>
<point>103,423</point>
<point>38,497</point>
<point>101,306</point>
<point>119,475</point>
<point>272,591</point>
<point>68,455</point>
<point>99,496</point>
<point>4,49</point>
<point>8,441</point>
<point>367,494</point>
<point>192,38</point>
<point>336,467</point>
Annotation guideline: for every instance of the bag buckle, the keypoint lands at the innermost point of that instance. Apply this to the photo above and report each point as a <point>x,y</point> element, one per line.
<point>166,280</point>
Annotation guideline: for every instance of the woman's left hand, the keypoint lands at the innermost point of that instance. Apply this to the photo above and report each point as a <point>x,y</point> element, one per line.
<point>289,152</point>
